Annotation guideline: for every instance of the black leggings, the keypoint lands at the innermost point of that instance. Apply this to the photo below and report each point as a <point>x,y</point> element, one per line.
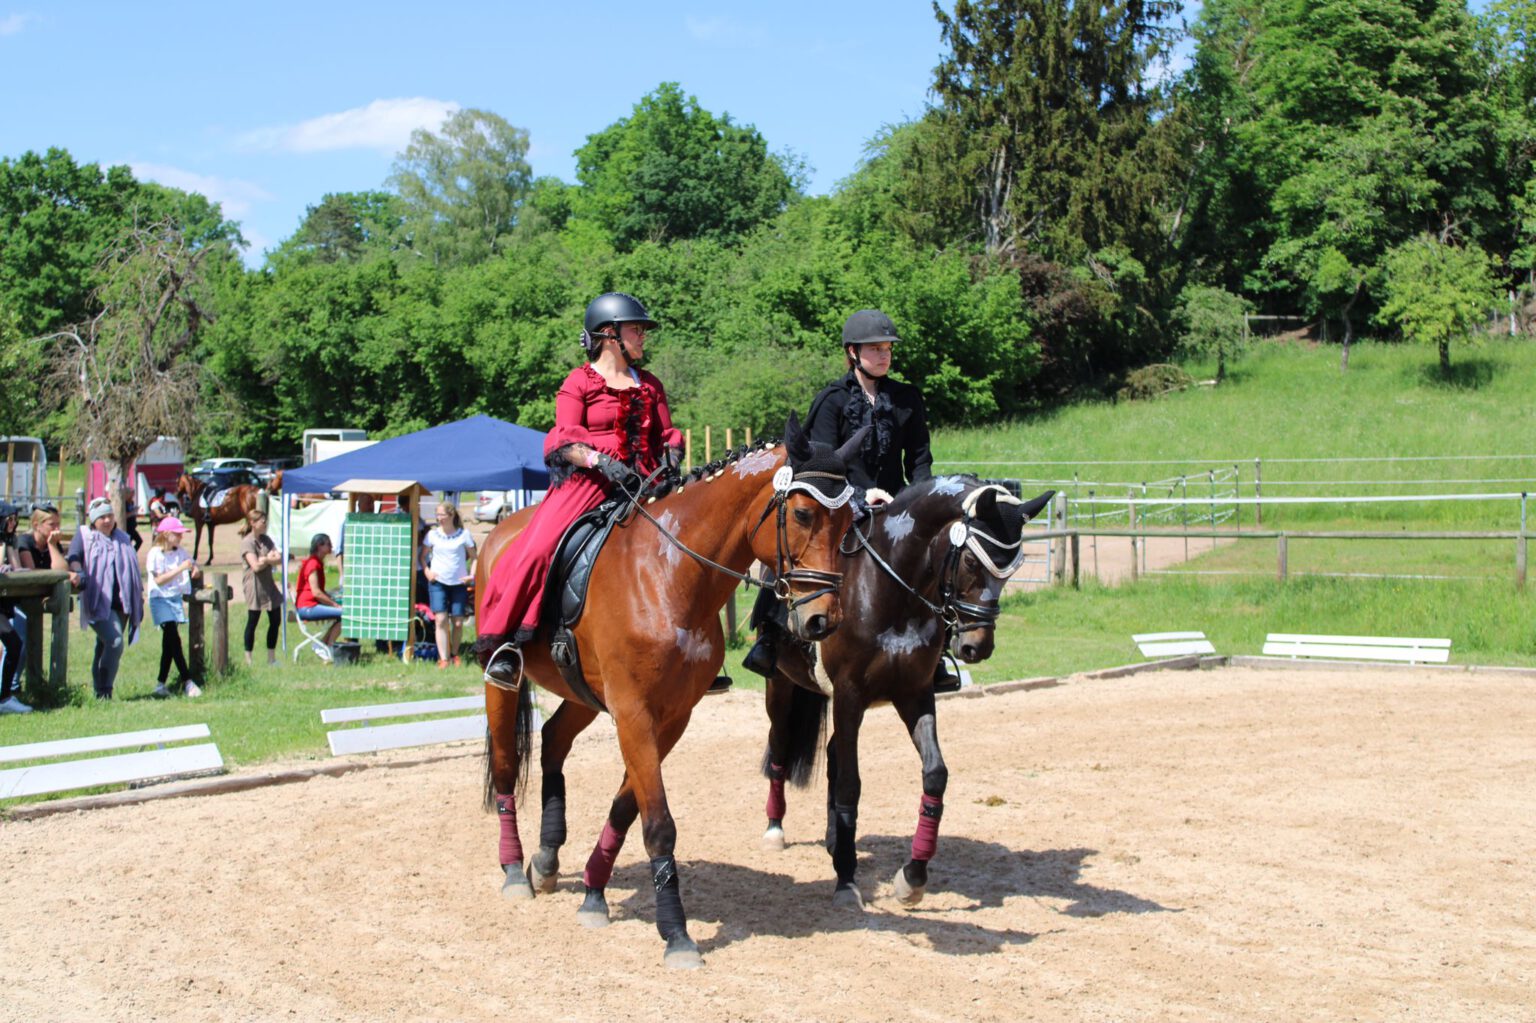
<point>251,618</point>
<point>10,639</point>
<point>170,650</point>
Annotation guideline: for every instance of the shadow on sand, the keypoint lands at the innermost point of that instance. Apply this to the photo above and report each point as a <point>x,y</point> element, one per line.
<point>748,902</point>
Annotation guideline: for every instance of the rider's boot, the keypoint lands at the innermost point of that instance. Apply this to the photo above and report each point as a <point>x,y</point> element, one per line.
<point>944,680</point>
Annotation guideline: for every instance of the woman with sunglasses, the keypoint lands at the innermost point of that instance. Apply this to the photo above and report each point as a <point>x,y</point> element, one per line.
<point>612,426</point>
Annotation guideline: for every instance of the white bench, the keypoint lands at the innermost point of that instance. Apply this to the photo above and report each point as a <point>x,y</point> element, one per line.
<point>1358,648</point>
<point>1172,644</point>
<point>410,733</point>
<point>163,762</point>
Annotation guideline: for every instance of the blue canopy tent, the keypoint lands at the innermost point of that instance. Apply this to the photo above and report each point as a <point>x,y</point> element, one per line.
<point>478,453</point>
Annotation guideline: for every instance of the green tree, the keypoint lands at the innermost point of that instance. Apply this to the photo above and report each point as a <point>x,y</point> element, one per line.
<point>347,226</point>
<point>672,170</point>
<point>1210,321</point>
<point>463,186</point>
<point>1437,293</point>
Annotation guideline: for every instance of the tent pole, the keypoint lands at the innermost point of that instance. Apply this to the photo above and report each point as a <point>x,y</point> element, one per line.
<point>287,527</point>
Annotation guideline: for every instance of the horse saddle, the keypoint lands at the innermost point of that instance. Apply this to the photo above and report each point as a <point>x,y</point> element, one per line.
<point>565,592</point>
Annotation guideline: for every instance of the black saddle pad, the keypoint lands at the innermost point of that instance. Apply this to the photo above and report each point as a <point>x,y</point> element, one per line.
<point>565,593</point>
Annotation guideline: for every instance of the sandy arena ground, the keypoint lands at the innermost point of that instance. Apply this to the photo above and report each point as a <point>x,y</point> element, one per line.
<point>1240,844</point>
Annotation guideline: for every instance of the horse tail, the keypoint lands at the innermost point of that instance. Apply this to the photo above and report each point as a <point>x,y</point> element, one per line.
<point>524,746</point>
<point>807,731</point>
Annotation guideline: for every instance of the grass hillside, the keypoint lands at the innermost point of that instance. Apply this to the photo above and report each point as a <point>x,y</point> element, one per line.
<point>1290,401</point>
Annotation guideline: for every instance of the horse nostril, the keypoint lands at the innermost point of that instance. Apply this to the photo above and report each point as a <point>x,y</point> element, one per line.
<point>816,626</point>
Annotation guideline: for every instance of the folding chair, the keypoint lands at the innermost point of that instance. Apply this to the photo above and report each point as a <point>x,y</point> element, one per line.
<point>313,633</point>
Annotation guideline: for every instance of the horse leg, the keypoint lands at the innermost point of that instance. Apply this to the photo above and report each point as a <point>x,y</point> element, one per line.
<point>505,749</point>
<point>210,542</point>
<point>843,800</point>
<point>567,722</point>
<point>644,742</point>
<point>777,701</point>
<point>917,714</point>
<point>594,904</point>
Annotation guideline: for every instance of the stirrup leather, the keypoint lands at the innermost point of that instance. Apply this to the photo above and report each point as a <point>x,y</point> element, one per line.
<point>498,683</point>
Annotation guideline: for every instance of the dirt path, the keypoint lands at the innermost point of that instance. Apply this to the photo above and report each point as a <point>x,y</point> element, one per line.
<point>1235,845</point>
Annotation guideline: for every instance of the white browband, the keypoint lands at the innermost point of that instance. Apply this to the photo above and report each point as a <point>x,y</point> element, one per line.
<point>784,483</point>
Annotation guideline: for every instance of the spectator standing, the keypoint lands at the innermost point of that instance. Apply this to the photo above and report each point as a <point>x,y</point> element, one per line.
<point>311,603</point>
<point>445,555</point>
<point>259,555</point>
<point>171,573</point>
<point>10,636</point>
<point>111,591</point>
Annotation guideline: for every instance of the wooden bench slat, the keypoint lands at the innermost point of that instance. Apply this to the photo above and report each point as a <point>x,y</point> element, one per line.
<point>411,733</point>
<point>1287,637</point>
<point>395,710</point>
<point>125,767</point>
<point>1357,652</point>
<point>96,743</point>
<point>1177,649</point>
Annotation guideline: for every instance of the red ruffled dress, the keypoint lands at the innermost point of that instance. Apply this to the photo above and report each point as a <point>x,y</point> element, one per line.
<point>633,425</point>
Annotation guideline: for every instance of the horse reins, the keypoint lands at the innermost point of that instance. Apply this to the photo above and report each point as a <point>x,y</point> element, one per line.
<point>785,482</point>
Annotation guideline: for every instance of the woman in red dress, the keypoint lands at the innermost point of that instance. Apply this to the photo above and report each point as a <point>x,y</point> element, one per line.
<point>611,424</point>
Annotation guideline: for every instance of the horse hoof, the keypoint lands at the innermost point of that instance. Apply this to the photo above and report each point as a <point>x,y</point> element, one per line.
<point>682,953</point>
<point>908,894</point>
<point>543,884</point>
<point>594,910</point>
<point>847,896</point>
<point>515,887</point>
<point>773,840</point>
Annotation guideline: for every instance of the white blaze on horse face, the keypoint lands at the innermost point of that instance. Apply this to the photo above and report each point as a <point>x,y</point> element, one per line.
<point>897,527</point>
<point>669,550</point>
<point>948,485</point>
<point>897,644</point>
<point>756,462</point>
<point>695,645</point>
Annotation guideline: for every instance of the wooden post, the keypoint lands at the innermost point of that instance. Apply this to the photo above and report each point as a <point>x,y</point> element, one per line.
<point>749,436</point>
<point>708,444</point>
<point>10,462</point>
<point>1135,549</point>
<point>221,595</point>
<point>1059,551</point>
<point>1520,561</point>
<point>730,616</point>
<point>197,658</point>
<point>61,474</point>
<point>729,444</point>
<point>1258,492</point>
<point>687,449</point>
<point>58,653</point>
<point>34,665</point>
<point>1077,581</point>
<point>1282,557</point>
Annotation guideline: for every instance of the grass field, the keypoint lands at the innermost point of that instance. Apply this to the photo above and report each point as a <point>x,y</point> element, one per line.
<point>1283,402</point>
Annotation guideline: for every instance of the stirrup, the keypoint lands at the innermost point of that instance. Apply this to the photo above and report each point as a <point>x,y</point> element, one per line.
<point>510,687</point>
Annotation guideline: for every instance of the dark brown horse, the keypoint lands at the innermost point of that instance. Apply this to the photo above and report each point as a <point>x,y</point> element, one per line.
<point>932,562</point>
<point>651,644</point>
<point>232,505</point>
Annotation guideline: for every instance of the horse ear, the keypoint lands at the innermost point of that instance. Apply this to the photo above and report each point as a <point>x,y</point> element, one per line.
<point>854,446</point>
<point>986,504</point>
<point>1033,506</point>
<point>795,441</point>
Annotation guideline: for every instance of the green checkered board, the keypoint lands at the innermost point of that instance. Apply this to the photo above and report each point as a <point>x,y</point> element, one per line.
<point>378,565</point>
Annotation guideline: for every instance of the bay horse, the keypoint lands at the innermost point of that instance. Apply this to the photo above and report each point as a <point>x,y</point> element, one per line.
<point>233,506</point>
<point>651,643</point>
<point>931,562</point>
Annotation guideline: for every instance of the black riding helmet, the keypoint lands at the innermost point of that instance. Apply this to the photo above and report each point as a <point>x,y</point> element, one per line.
<point>615,308</point>
<point>868,326</point>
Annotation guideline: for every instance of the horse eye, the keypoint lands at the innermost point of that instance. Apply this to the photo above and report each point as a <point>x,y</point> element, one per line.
<point>803,516</point>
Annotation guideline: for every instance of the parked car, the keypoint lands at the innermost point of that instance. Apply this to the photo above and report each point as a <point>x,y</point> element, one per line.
<point>492,506</point>
<point>272,466</point>
<point>227,472</point>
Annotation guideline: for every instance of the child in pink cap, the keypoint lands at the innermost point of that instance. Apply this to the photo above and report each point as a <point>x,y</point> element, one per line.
<point>171,571</point>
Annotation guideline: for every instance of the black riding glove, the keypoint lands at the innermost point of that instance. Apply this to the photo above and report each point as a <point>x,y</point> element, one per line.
<point>673,460</point>
<point>615,470</point>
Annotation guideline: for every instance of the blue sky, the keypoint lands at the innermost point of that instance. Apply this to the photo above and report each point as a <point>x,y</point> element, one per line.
<point>267,108</point>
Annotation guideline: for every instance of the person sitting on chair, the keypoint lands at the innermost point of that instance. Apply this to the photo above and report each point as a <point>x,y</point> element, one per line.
<point>612,427</point>
<point>311,602</point>
<point>895,454</point>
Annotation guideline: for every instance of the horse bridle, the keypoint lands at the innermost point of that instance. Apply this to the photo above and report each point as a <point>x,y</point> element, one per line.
<point>785,482</point>
<point>964,533</point>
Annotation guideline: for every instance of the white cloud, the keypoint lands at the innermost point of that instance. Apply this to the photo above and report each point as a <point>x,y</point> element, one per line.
<point>384,124</point>
<point>13,23</point>
<point>233,195</point>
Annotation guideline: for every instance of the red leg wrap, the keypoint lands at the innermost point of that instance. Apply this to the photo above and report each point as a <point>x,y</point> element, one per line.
<point>511,845</point>
<point>600,863</point>
<point>925,842</point>
<point>776,804</point>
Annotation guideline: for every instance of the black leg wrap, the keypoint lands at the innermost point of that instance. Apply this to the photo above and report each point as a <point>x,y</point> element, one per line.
<point>552,824</point>
<point>844,855</point>
<point>670,921</point>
